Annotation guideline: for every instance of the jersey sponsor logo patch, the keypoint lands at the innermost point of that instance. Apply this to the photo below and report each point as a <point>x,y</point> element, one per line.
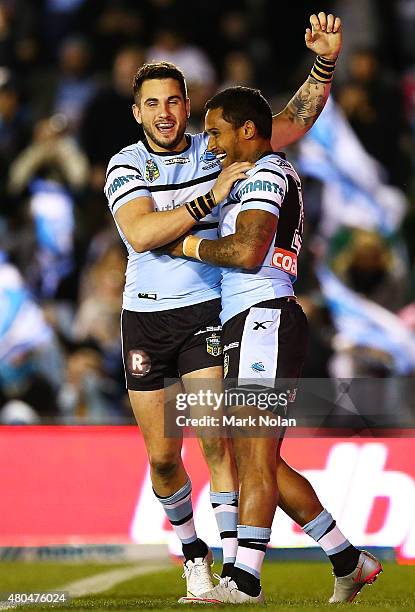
<point>213,345</point>
<point>282,163</point>
<point>120,181</point>
<point>147,296</point>
<point>176,160</point>
<point>138,363</point>
<point>259,185</point>
<point>152,171</point>
<point>258,366</point>
<point>285,261</point>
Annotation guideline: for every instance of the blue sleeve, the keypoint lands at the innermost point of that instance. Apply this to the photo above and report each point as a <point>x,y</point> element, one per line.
<point>124,181</point>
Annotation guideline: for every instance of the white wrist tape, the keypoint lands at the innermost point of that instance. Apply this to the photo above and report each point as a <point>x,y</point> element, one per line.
<point>191,247</point>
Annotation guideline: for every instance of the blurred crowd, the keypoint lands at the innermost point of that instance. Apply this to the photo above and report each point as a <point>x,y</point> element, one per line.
<point>66,69</point>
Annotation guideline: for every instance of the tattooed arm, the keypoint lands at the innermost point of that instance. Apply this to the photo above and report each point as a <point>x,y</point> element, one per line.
<point>301,112</point>
<point>247,247</point>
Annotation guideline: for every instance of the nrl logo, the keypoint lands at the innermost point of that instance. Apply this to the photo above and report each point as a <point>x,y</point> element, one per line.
<point>152,171</point>
<point>213,345</point>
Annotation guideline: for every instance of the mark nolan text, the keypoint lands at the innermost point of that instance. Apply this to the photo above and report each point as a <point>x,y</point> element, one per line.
<point>262,420</point>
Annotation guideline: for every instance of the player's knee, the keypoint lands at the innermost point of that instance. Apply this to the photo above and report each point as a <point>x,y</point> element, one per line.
<point>164,466</point>
<point>215,451</point>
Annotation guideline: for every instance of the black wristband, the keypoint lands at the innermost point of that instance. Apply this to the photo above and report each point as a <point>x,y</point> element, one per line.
<point>323,69</point>
<point>201,206</point>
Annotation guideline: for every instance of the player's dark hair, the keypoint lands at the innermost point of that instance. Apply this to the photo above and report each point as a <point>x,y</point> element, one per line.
<point>158,70</point>
<point>240,104</point>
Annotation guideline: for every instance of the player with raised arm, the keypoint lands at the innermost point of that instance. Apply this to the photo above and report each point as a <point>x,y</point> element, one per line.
<point>261,229</point>
<point>157,189</point>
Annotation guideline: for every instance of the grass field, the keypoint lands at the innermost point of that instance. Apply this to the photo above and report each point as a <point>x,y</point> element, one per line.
<point>288,586</point>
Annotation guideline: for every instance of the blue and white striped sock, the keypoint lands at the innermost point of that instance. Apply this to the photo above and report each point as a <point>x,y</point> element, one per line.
<point>324,531</point>
<point>179,510</point>
<point>252,545</point>
<point>225,507</point>
<point>342,554</point>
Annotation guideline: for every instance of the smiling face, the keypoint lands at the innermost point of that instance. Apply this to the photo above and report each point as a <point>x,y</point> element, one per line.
<point>225,141</point>
<point>163,113</point>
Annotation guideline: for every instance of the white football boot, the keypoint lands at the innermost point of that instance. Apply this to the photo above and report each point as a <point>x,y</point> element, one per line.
<point>224,592</point>
<point>198,575</point>
<point>347,587</point>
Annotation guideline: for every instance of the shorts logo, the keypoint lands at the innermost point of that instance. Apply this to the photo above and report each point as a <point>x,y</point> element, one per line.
<point>260,325</point>
<point>285,260</point>
<point>258,366</point>
<point>213,345</point>
<point>138,363</point>
<point>210,328</point>
<point>152,171</point>
<point>225,365</point>
<point>230,346</point>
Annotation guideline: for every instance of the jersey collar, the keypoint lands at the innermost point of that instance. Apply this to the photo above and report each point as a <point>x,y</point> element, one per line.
<point>266,153</point>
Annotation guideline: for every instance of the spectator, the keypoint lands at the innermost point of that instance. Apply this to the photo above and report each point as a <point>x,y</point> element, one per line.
<point>29,358</point>
<point>373,105</point>
<point>238,70</point>
<point>116,24</point>
<point>97,317</point>
<point>169,45</point>
<point>14,127</point>
<point>85,396</point>
<point>52,154</point>
<point>371,268</point>
<point>52,168</point>
<point>68,89</point>
<point>108,122</point>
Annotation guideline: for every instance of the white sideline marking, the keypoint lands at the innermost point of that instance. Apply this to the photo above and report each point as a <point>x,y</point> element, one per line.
<point>97,583</point>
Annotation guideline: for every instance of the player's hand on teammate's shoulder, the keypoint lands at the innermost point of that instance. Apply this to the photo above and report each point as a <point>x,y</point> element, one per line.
<point>228,176</point>
<point>325,35</point>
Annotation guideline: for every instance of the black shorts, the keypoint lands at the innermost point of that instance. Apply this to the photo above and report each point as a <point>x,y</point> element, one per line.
<point>170,343</point>
<point>265,343</point>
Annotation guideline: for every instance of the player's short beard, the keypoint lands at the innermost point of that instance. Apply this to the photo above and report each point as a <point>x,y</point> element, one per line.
<point>169,146</point>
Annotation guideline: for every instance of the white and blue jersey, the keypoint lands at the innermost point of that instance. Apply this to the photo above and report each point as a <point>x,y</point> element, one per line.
<point>159,282</point>
<point>274,186</point>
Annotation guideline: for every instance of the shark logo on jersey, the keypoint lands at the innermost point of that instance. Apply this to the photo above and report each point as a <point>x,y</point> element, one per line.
<point>152,171</point>
<point>210,159</point>
<point>213,345</point>
<point>207,156</point>
<point>258,366</point>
